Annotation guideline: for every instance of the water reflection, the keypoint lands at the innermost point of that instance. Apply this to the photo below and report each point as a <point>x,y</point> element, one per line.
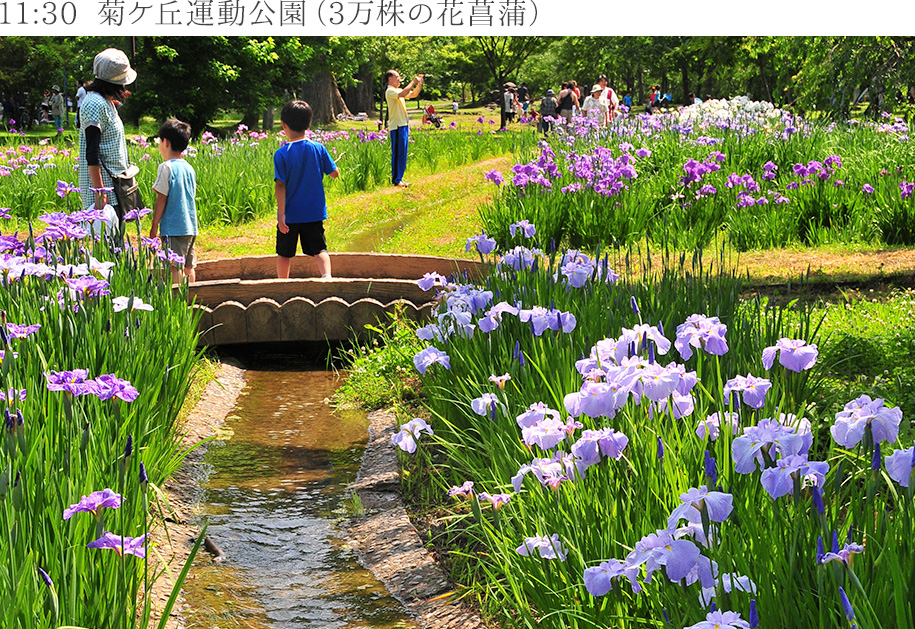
<point>274,500</point>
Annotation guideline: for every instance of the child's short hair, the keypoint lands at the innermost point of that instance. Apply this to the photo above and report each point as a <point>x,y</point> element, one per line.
<point>177,133</point>
<point>297,115</point>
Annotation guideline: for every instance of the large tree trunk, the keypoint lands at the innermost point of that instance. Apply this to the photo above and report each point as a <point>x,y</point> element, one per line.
<point>360,96</point>
<point>322,94</point>
<point>640,85</point>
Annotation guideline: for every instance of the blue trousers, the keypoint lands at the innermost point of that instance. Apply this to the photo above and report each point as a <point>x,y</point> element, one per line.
<point>399,139</point>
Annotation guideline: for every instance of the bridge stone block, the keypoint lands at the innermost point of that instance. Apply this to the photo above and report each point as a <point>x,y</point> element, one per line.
<point>366,312</point>
<point>332,319</point>
<point>263,316</point>
<point>298,320</point>
<point>230,325</point>
<point>204,325</point>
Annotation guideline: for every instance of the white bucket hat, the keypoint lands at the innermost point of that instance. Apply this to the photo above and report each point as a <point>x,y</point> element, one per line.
<point>112,65</point>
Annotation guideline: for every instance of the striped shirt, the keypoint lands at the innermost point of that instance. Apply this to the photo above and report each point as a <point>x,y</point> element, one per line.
<point>98,111</point>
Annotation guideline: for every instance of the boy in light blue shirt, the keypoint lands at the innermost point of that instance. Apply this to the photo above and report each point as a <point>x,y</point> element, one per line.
<point>175,214</point>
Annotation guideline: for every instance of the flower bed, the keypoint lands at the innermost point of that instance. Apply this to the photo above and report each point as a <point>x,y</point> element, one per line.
<point>97,352</point>
<point>631,452</point>
<point>756,175</point>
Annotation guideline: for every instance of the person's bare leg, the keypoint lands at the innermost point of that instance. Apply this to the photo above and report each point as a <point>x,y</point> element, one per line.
<point>176,275</point>
<point>191,274</point>
<point>323,259</point>
<point>282,267</point>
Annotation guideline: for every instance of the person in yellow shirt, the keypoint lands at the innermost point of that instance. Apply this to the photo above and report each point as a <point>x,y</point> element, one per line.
<point>399,122</point>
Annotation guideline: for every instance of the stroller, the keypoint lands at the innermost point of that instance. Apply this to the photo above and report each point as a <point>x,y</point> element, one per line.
<point>431,117</point>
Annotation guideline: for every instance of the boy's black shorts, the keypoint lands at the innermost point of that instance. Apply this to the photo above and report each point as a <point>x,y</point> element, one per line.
<point>311,235</point>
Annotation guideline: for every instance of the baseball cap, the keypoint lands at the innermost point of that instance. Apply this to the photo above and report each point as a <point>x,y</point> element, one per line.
<point>550,92</point>
<point>112,65</point>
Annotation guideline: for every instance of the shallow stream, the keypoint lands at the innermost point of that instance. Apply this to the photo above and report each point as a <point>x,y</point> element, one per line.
<point>275,500</point>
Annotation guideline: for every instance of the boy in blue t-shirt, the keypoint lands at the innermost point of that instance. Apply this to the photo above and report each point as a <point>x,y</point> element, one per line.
<point>175,213</point>
<point>299,169</point>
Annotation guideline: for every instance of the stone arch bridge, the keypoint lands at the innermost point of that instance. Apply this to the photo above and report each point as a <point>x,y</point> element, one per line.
<point>241,301</point>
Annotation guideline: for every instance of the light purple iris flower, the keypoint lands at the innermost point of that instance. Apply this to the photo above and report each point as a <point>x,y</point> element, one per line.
<point>779,481</point>
<point>642,152</point>
<point>752,389</point>
<point>711,425</point>
<point>848,431</point>
<point>542,319</point>
<point>430,356</point>
<point>484,405</point>
<point>119,304</point>
<point>899,465</point>
<point>12,395</point>
<point>121,545</point>
<point>137,214</point>
<point>409,433</point>
<point>658,382</point>
<point>520,258</point>
<point>718,505</point>
<point>727,583</point>
<point>769,437</point>
<point>536,414</point>
<point>496,500</point>
<point>793,354</point>
<point>484,244</point>
<point>659,550</point>
<point>527,228</point>
<point>681,405</point>
<point>462,491</point>
<point>493,317</point>
<point>546,434</point>
<point>577,273</point>
<point>599,579</point>
<point>843,555</point>
<point>428,280</point>
<point>721,620</point>
<point>109,386</point>
<point>88,286</point>
<point>547,547</point>
<point>93,502</point>
<point>701,332</point>
<point>642,333</point>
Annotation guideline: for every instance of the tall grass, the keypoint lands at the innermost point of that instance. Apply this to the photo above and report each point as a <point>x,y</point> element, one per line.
<point>69,446</point>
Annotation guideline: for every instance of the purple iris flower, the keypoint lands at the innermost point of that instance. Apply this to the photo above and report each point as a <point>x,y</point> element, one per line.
<point>495,176</point>
<point>642,333</point>
<point>752,389</point>
<point>642,152</point>
<point>681,405</point>
<point>88,286</point>
<point>428,281</point>
<point>711,425</point>
<point>463,491</point>
<point>93,502</point>
<point>121,545</point>
<point>658,382</point>
<point>493,317</point>
<point>18,331</point>
<point>716,504</point>
<point>599,579</point>
<point>73,382</point>
<point>867,189</point>
<point>484,404</point>
<point>577,273</point>
<point>546,434</point>
<point>136,215</point>
<point>899,465</point>
<point>769,437</point>
<point>721,620</point>
<point>843,556</point>
<point>430,356</point>
<point>527,228</point>
<point>409,433</point>
<point>793,354</point>
<point>12,395</point>
<point>109,386</point>
<point>848,431</point>
<point>548,547</point>
<point>520,258</point>
<point>484,244</point>
<point>778,481</point>
<point>701,332</point>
